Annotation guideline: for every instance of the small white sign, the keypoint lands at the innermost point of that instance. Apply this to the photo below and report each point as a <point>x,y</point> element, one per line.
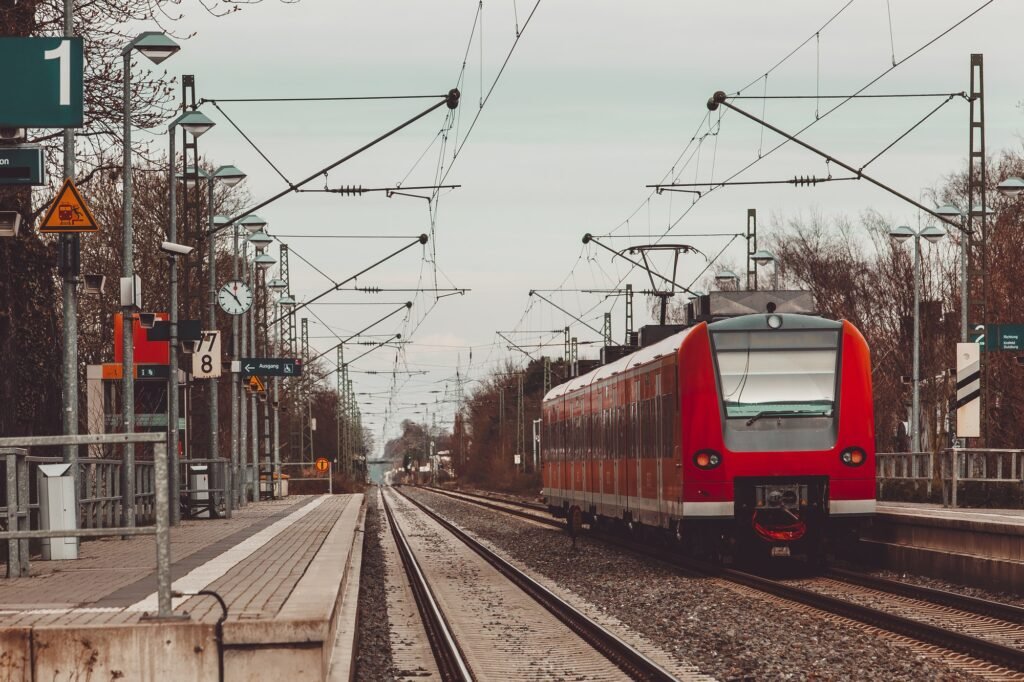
<point>518,459</point>
<point>206,361</point>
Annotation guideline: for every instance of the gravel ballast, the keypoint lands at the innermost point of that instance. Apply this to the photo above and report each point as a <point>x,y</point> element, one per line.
<point>373,650</point>
<point>728,635</point>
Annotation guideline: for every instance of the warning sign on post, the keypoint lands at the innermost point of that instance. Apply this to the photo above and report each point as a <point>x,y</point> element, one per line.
<point>68,212</point>
<point>322,464</point>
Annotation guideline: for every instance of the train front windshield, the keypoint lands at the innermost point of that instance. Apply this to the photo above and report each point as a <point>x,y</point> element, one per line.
<point>777,373</point>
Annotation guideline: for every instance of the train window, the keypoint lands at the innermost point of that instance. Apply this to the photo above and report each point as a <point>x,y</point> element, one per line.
<point>784,374</point>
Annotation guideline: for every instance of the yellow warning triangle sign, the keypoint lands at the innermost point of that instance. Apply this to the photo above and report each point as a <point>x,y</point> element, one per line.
<point>256,384</point>
<point>68,212</point>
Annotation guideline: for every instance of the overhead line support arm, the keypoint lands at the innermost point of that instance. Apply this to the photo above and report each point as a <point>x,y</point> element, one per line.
<point>721,99</point>
<point>451,100</point>
<point>533,292</point>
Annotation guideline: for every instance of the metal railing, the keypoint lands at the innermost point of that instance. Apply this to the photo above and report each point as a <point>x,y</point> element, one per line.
<point>952,467</point>
<point>329,480</point>
<point>17,504</point>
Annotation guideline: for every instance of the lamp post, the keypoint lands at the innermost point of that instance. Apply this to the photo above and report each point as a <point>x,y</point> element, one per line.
<point>196,123</point>
<point>263,262</point>
<point>156,47</point>
<point>278,285</point>
<point>901,234</point>
<point>230,176</point>
<point>250,223</point>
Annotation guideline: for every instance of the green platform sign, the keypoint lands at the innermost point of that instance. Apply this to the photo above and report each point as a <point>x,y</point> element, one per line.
<point>22,166</point>
<point>41,82</point>
<point>1008,337</point>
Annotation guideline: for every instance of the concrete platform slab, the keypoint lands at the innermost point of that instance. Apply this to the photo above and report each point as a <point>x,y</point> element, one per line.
<point>979,547</point>
<point>280,566</point>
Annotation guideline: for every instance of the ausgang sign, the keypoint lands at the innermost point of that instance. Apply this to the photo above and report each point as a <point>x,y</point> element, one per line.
<point>41,82</point>
<point>271,367</point>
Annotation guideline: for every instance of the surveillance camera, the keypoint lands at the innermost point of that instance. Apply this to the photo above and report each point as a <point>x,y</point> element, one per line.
<point>189,346</point>
<point>147,320</point>
<point>173,249</point>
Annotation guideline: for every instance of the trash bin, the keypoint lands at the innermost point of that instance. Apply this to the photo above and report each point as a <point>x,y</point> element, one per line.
<point>57,510</point>
<point>199,491</point>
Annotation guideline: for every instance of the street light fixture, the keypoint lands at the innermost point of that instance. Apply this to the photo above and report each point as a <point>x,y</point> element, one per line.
<point>726,277</point>
<point>1011,186</point>
<point>153,45</point>
<point>277,284</point>
<point>230,176</point>
<point>265,261</point>
<point>260,240</point>
<point>195,122</point>
<point>901,234</point>
<point>253,223</point>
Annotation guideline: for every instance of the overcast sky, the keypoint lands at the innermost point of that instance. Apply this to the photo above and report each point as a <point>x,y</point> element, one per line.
<point>599,99</point>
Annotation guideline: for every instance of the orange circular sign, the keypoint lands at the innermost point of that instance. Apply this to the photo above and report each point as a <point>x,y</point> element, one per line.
<point>322,464</point>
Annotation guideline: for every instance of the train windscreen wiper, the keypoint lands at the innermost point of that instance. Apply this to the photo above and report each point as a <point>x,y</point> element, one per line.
<point>789,413</point>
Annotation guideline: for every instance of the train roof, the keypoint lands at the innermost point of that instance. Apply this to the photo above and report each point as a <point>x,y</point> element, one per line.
<point>671,344</point>
<point>641,357</point>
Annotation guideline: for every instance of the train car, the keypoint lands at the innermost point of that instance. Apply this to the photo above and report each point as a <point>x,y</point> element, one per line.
<point>749,436</point>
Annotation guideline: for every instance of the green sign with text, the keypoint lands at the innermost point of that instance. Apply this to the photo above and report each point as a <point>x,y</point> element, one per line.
<point>41,82</point>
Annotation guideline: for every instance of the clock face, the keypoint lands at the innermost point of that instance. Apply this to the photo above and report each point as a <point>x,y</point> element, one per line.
<point>235,297</point>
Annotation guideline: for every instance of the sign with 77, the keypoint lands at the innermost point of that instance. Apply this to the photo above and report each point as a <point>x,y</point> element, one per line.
<point>206,362</point>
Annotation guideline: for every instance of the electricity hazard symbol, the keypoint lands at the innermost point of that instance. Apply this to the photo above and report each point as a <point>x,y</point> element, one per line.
<point>68,212</point>
<point>256,385</point>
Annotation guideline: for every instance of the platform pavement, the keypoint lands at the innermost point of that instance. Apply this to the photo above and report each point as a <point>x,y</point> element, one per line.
<point>979,547</point>
<point>283,568</point>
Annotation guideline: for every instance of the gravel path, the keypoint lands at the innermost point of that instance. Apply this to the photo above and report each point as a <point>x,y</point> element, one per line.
<point>725,634</point>
<point>373,651</point>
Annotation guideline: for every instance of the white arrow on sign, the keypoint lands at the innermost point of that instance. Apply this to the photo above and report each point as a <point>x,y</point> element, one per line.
<point>249,368</point>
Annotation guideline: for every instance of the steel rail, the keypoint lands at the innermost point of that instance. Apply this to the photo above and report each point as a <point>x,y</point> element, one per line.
<point>975,647</point>
<point>962,602</point>
<point>451,663</point>
<point>619,652</point>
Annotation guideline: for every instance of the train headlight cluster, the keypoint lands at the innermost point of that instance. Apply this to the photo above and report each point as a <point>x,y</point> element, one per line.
<point>852,457</point>
<point>774,322</point>
<point>707,459</point>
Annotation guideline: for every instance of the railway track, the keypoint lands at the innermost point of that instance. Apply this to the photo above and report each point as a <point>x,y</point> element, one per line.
<point>975,635</point>
<point>485,619</point>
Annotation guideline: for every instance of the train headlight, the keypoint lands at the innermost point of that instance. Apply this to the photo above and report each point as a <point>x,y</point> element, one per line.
<point>774,322</point>
<point>853,457</point>
<point>707,459</point>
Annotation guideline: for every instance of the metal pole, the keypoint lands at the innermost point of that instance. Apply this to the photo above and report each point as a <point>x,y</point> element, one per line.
<point>212,322</point>
<point>127,311</point>
<point>172,375</point>
<point>267,452</point>
<point>253,403</point>
<point>237,489</point>
<point>240,345</point>
<point>163,531</point>
<point>915,414</point>
<point>965,239</point>
<point>277,438</point>
<point>71,248</point>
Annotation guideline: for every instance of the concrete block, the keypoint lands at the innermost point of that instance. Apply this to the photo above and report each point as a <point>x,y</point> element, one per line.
<point>150,651</point>
<point>15,655</point>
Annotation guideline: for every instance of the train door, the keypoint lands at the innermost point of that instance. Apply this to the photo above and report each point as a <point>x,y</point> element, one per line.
<point>659,447</point>
<point>638,442</point>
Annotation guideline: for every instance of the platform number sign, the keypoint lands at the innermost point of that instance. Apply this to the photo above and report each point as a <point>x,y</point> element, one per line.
<point>206,359</point>
<point>41,82</point>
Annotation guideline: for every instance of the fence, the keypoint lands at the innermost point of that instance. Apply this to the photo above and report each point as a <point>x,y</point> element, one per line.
<point>951,468</point>
<point>329,480</point>
<point>17,503</point>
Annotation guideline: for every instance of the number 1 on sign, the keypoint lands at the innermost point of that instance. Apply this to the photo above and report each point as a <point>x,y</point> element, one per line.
<point>62,53</point>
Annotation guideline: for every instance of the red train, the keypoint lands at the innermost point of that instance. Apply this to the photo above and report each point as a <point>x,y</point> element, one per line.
<point>750,436</point>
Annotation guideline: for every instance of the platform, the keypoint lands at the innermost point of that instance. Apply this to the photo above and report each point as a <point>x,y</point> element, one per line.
<point>978,547</point>
<point>287,570</point>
